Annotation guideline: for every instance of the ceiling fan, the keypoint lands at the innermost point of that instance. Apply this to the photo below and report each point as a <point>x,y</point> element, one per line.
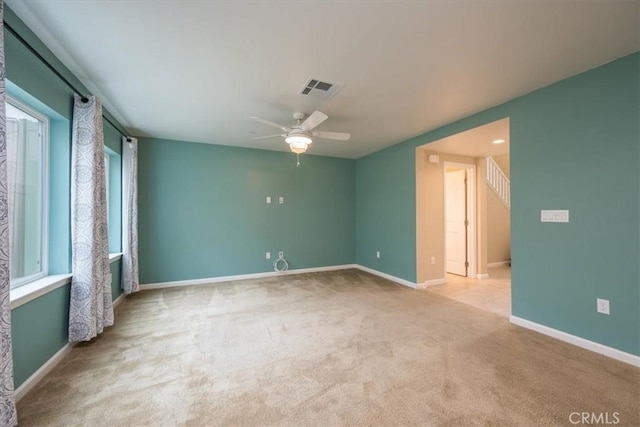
<point>300,135</point>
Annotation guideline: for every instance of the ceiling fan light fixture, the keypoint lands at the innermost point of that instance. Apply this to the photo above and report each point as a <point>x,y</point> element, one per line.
<point>299,146</point>
<point>298,150</point>
<point>298,140</point>
<point>298,143</point>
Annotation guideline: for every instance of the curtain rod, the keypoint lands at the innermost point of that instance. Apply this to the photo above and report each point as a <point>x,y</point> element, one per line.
<point>52,68</point>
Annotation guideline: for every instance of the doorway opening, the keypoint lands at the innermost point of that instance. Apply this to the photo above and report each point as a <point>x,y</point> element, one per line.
<point>463,240</point>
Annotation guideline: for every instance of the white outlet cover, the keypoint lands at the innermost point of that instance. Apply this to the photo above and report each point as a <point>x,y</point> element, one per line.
<point>268,255</point>
<point>377,254</point>
<point>602,305</point>
<point>268,199</point>
<point>280,254</point>
<point>281,200</point>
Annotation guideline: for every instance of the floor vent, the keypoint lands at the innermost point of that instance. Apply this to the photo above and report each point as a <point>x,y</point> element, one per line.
<point>319,89</point>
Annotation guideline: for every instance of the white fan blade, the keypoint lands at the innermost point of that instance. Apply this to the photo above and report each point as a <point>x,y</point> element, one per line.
<point>340,136</point>
<point>314,120</point>
<point>269,136</point>
<point>267,122</point>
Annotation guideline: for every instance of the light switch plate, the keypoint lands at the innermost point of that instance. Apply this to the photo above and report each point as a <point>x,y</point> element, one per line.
<point>554,216</point>
<point>268,199</point>
<point>281,200</point>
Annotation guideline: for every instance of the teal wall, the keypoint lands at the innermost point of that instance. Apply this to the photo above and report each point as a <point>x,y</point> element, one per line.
<point>38,330</point>
<point>202,210</point>
<point>116,279</point>
<point>386,211</point>
<point>574,145</point>
<point>39,327</point>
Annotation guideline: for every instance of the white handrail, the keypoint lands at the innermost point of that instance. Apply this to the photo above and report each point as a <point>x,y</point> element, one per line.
<point>499,182</point>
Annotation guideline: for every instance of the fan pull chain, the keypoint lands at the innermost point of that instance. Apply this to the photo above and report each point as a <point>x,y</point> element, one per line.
<point>297,160</point>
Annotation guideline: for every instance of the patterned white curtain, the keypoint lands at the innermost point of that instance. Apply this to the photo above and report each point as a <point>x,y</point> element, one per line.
<point>130,280</point>
<point>8,416</point>
<point>91,308</point>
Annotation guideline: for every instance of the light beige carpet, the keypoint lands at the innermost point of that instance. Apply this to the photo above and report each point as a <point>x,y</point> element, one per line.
<point>324,349</point>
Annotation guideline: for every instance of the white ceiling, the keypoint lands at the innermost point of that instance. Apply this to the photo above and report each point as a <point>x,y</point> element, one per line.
<point>195,70</point>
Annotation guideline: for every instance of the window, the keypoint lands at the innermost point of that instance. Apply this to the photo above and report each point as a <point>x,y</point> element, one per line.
<point>27,149</point>
<point>112,174</point>
<point>106,180</point>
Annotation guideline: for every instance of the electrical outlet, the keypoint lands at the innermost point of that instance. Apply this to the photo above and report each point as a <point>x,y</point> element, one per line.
<point>377,254</point>
<point>433,260</point>
<point>602,306</point>
<point>268,255</point>
<point>280,254</point>
<point>281,200</point>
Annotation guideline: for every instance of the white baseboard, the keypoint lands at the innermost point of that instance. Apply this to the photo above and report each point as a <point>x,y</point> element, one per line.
<point>498,264</point>
<point>207,280</point>
<point>482,276</point>
<point>35,378</point>
<point>204,281</point>
<point>390,277</point>
<point>434,282</point>
<point>580,342</point>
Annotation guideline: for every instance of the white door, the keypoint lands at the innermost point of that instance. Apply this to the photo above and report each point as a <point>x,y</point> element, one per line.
<point>455,222</point>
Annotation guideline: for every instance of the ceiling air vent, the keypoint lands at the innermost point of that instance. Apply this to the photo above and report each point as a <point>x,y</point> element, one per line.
<point>319,89</point>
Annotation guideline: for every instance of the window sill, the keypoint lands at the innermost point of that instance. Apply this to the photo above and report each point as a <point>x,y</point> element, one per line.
<point>25,293</point>
<point>37,288</point>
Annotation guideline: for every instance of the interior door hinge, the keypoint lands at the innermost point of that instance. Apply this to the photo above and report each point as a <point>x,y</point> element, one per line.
<point>466,222</point>
<point>466,264</point>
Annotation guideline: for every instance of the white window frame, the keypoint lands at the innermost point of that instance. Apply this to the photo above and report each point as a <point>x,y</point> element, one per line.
<point>44,259</point>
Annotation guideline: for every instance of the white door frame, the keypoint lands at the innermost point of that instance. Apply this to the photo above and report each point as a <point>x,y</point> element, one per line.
<point>472,247</point>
